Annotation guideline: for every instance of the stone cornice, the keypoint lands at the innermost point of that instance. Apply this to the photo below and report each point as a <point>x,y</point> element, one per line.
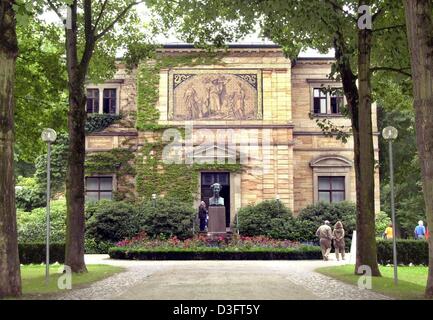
<point>114,134</point>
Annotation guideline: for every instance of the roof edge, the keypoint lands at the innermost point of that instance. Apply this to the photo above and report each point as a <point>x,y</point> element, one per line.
<point>230,46</point>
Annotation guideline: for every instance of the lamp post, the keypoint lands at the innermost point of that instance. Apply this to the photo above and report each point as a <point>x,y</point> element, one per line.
<point>48,136</point>
<point>390,134</point>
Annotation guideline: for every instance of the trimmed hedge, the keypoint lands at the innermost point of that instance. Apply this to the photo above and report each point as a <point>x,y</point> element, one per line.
<point>169,218</point>
<point>111,221</point>
<point>35,252</point>
<point>408,251</point>
<point>312,217</point>
<point>304,253</point>
<point>269,218</point>
<point>32,225</point>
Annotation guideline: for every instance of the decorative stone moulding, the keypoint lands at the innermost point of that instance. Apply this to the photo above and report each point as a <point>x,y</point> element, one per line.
<point>215,94</point>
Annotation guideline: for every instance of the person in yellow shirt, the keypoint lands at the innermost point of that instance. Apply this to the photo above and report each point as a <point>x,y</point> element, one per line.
<point>388,234</point>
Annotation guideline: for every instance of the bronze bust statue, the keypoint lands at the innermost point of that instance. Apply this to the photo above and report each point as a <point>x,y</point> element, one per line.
<point>216,200</point>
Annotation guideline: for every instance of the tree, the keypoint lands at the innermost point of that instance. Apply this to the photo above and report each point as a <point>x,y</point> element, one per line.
<point>40,90</point>
<point>84,32</point>
<point>419,23</point>
<point>323,25</point>
<point>395,107</point>
<point>10,279</point>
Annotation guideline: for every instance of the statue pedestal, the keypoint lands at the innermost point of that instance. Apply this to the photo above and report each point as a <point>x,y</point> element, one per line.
<point>217,219</point>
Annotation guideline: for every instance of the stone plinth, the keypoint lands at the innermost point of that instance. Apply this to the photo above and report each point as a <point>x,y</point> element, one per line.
<point>217,219</point>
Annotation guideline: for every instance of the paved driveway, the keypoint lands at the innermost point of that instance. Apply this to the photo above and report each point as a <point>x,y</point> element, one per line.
<point>225,280</point>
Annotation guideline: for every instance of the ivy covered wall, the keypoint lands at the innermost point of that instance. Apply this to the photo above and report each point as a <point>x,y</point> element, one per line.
<point>148,83</point>
<point>141,173</point>
<point>180,181</point>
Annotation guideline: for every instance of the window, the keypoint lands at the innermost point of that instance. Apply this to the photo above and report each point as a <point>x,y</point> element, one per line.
<point>337,101</point>
<point>320,101</point>
<point>92,100</point>
<point>332,189</point>
<point>102,100</point>
<point>98,188</point>
<point>109,105</point>
<point>327,101</point>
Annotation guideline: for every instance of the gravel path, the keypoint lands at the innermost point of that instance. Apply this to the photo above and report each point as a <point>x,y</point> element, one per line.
<point>226,280</point>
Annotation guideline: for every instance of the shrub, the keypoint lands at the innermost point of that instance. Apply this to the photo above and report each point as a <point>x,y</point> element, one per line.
<point>91,246</point>
<point>35,252</point>
<point>32,225</point>
<point>28,199</point>
<point>111,221</point>
<point>382,221</point>
<point>408,251</point>
<point>311,217</point>
<point>169,218</point>
<point>268,218</point>
<point>106,223</point>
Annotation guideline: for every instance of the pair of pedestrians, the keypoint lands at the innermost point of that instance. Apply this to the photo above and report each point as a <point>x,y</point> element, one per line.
<point>326,235</point>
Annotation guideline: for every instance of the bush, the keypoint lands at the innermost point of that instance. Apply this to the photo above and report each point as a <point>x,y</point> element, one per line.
<point>28,199</point>
<point>32,225</point>
<point>169,218</point>
<point>408,251</point>
<point>91,246</point>
<point>111,221</point>
<point>382,221</point>
<point>35,252</point>
<point>311,217</point>
<point>268,218</point>
<point>301,253</point>
<point>108,222</point>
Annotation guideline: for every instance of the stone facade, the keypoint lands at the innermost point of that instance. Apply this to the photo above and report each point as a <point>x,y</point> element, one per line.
<point>292,152</point>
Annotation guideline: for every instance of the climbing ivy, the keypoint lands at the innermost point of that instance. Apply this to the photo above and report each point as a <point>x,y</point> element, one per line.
<point>179,181</point>
<point>114,161</point>
<point>59,162</point>
<point>99,122</point>
<point>148,83</point>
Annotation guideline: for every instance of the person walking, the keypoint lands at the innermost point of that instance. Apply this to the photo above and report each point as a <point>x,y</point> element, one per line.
<point>324,233</point>
<point>338,235</point>
<point>420,231</point>
<point>202,215</point>
<point>388,234</point>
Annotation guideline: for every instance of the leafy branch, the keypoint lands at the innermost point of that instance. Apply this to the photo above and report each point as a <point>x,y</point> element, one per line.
<point>390,69</point>
<point>329,129</point>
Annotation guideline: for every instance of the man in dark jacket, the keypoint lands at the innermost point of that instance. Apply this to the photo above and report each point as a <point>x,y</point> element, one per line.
<point>202,215</point>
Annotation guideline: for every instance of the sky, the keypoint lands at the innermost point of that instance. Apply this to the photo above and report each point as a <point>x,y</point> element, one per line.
<point>172,38</point>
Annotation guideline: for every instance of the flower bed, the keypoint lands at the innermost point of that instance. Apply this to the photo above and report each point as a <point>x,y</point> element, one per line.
<point>203,248</point>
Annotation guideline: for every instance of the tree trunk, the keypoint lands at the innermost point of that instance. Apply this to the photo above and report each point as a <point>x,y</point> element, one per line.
<point>366,250</point>
<point>10,279</point>
<point>75,221</point>
<point>359,105</point>
<point>75,180</point>
<point>420,37</point>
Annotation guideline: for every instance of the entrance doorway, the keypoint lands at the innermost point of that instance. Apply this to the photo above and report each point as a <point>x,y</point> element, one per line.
<point>223,178</point>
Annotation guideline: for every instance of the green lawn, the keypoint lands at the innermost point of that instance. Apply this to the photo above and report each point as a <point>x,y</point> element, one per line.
<point>33,277</point>
<point>411,285</point>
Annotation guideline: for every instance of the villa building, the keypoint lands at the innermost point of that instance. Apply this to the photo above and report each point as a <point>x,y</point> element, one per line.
<point>260,108</point>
